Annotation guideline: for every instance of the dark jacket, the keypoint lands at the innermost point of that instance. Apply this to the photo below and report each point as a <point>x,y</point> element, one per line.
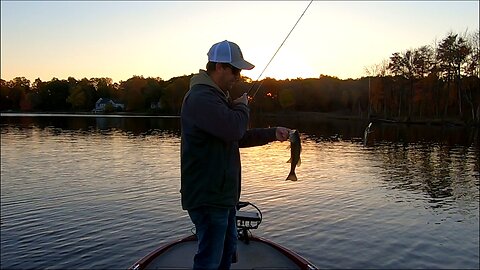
<point>213,129</point>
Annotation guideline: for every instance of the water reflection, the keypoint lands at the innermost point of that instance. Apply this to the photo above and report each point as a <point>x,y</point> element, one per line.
<point>439,171</point>
<point>353,130</point>
<point>437,160</point>
<point>108,189</point>
<point>131,125</point>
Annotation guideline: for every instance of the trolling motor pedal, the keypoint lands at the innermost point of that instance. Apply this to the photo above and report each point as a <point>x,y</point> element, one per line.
<point>247,220</point>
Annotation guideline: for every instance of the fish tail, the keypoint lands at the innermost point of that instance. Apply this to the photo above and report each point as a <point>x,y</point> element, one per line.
<point>292,177</point>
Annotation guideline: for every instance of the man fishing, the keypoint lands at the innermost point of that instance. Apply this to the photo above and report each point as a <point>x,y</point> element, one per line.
<point>213,127</point>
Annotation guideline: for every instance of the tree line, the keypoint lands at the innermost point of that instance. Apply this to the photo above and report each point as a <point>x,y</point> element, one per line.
<point>439,81</point>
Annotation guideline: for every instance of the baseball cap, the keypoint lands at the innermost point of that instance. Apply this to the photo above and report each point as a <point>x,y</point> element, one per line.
<point>228,52</point>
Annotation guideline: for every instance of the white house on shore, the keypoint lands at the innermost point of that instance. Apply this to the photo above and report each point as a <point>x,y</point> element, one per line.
<point>101,104</point>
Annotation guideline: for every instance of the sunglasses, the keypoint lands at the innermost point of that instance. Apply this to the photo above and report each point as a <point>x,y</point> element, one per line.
<point>235,71</point>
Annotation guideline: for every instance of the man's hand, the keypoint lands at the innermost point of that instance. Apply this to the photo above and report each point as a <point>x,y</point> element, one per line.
<point>282,133</point>
<point>243,99</point>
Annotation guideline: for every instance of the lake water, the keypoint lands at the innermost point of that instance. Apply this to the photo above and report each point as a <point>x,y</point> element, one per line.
<point>82,192</point>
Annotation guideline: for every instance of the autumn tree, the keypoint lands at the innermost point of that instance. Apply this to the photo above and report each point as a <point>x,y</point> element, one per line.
<point>154,91</point>
<point>134,89</point>
<point>452,54</point>
<point>13,93</point>
<point>34,97</point>
<point>377,72</point>
<point>83,94</point>
<point>472,67</point>
<point>55,94</point>
<point>105,88</point>
<point>5,101</point>
<point>413,65</point>
<point>174,92</point>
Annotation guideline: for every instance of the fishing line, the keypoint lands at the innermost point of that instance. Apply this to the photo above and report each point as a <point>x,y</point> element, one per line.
<point>258,88</point>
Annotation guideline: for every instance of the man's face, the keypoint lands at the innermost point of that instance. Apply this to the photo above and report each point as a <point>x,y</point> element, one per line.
<point>230,76</point>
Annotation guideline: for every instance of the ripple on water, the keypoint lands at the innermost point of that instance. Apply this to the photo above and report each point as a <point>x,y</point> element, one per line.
<point>95,199</point>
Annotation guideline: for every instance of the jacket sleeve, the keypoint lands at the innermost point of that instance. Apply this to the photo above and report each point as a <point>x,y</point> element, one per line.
<point>257,137</point>
<point>212,114</point>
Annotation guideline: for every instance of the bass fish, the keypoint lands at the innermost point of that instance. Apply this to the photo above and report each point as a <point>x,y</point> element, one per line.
<point>295,149</point>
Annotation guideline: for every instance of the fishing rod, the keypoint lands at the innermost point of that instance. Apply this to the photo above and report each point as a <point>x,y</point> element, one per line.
<point>258,88</point>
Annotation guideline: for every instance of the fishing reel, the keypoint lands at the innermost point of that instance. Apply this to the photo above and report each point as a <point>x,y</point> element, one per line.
<point>247,220</point>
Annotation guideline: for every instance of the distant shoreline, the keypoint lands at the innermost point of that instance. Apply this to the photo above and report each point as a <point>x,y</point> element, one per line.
<point>317,116</point>
<point>300,116</point>
<point>84,114</point>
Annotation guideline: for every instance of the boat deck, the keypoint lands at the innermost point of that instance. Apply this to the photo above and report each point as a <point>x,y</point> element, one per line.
<point>255,255</point>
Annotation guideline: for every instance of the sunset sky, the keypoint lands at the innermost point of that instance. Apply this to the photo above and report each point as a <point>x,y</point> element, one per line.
<point>119,39</point>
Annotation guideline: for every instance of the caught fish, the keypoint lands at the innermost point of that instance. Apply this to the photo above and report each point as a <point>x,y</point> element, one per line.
<point>295,149</point>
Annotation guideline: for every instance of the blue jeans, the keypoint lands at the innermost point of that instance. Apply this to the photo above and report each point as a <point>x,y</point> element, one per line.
<point>216,230</point>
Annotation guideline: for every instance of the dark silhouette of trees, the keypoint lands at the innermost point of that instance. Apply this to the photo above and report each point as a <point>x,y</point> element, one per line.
<point>438,83</point>
<point>472,67</point>
<point>13,93</point>
<point>134,93</point>
<point>82,95</point>
<point>411,65</point>
<point>54,95</point>
<point>174,91</point>
<point>452,55</point>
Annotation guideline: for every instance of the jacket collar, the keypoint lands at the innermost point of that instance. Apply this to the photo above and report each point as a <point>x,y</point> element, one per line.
<point>202,78</point>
